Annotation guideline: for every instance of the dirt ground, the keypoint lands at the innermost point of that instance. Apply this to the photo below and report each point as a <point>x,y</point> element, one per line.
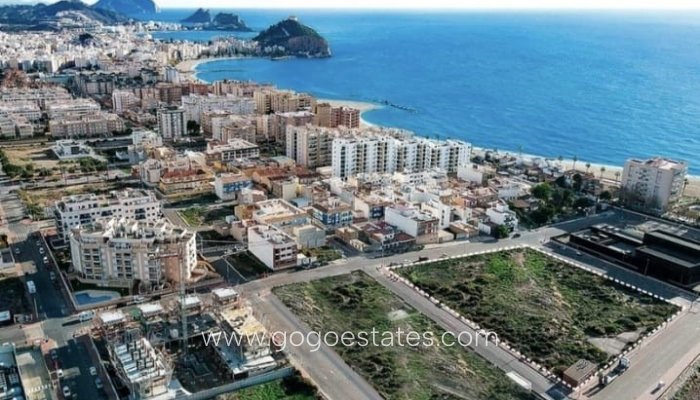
<point>37,155</point>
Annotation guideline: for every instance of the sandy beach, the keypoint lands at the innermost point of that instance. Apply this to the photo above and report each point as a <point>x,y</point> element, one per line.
<point>188,68</point>
<point>609,173</point>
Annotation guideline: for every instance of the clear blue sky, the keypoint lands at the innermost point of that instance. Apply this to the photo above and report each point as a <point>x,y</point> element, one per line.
<point>418,4</point>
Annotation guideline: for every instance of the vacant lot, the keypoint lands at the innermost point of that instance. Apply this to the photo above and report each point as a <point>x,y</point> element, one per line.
<point>550,311</point>
<point>13,298</point>
<point>292,388</point>
<point>691,388</point>
<point>356,303</point>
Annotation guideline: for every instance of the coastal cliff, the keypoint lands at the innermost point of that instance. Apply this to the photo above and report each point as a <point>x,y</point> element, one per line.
<point>128,7</point>
<point>292,38</point>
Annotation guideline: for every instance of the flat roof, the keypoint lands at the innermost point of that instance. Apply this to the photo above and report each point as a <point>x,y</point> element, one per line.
<point>225,293</point>
<point>580,370</point>
<point>112,317</point>
<point>150,308</point>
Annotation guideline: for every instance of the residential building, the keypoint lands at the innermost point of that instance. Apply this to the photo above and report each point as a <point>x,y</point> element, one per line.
<point>500,214</point>
<point>195,105</point>
<point>75,210</point>
<point>309,146</point>
<point>272,246</point>
<point>234,149</point>
<point>409,219</point>
<point>331,213</point>
<point>279,213</point>
<point>114,252</point>
<point>332,117</point>
<point>85,126</point>
<point>653,184</point>
<point>228,186</point>
<point>171,123</point>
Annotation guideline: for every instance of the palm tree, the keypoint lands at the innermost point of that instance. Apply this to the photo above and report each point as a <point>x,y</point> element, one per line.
<point>560,158</point>
<point>617,176</point>
<point>602,171</point>
<point>520,151</point>
<point>588,166</point>
<point>575,159</point>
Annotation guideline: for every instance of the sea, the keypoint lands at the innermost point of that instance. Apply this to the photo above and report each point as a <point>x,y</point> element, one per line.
<point>599,86</point>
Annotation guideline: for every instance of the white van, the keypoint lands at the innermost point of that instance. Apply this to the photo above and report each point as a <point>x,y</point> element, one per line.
<point>86,316</point>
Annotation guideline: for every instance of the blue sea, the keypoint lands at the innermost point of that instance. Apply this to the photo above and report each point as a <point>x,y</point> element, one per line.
<point>601,86</point>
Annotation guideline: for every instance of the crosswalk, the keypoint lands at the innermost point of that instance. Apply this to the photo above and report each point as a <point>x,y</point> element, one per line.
<point>40,388</point>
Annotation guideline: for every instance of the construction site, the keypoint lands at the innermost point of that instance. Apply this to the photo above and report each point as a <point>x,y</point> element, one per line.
<point>183,345</point>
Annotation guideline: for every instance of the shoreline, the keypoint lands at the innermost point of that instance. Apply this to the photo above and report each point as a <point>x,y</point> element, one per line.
<point>189,67</point>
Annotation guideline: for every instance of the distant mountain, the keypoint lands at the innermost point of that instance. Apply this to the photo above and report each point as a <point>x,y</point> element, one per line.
<point>229,22</point>
<point>128,7</point>
<point>201,16</point>
<point>221,21</point>
<point>292,38</point>
<point>45,17</point>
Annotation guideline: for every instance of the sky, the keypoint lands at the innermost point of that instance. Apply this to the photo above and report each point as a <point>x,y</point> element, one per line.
<point>423,4</point>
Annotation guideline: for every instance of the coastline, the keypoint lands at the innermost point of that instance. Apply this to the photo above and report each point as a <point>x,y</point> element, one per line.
<point>189,68</point>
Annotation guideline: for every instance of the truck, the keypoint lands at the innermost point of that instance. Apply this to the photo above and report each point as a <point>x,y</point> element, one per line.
<point>622,366</point>
<point>31,288</point>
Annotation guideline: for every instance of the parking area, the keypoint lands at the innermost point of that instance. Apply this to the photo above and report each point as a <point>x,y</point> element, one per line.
<point>75,372</point>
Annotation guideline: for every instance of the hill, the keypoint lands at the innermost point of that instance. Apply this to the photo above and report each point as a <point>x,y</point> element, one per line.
<point>201,16</point>
<point>45,17</point>
<point>292,38</point>
<point>128,7</point>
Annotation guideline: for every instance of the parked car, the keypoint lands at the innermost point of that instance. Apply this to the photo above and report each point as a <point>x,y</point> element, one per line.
<point>93,371</point>
<point>59,373</point>
<point>54,355</point>
<point>66,392</point>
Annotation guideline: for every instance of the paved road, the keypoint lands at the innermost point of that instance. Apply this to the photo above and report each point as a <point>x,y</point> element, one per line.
<point>333,376</point>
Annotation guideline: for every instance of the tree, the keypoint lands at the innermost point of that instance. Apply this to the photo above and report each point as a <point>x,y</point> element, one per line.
<point>617,176</point>
<point>502,231</point>
<point>575,159</point>
<point>561,182</point>
<point>578,182</point>
<point>192,128</point>
<point>605,196</point>
<point>583,202</point>
<point>542,191</point>
<point>588,166</point>
<point>602,171</point>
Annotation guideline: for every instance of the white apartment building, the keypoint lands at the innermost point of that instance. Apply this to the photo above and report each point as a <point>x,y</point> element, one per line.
<point>12,126</point>
<point>370,154</point>
<point>41,96</point>
<point>72,108</point>
<point>195,105</point>
<point>500,214</point>
<point>475,173</point>
<point>235,149</point>
<point>171,123</point>
<point>367,154</point>
<point>98,124</point>
<point>27,109</point>
<point>273,247</point>
<point>117,252</point>
<point>409,219</point>
<point>124,100</point>
<point>653,184</point>
<point>136,205</point>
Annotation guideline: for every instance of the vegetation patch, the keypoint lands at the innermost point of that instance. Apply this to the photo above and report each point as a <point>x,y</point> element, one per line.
<point>545,308</point>
<point>356,303</point>
<point>690,390</point>
<point>292,388</point>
